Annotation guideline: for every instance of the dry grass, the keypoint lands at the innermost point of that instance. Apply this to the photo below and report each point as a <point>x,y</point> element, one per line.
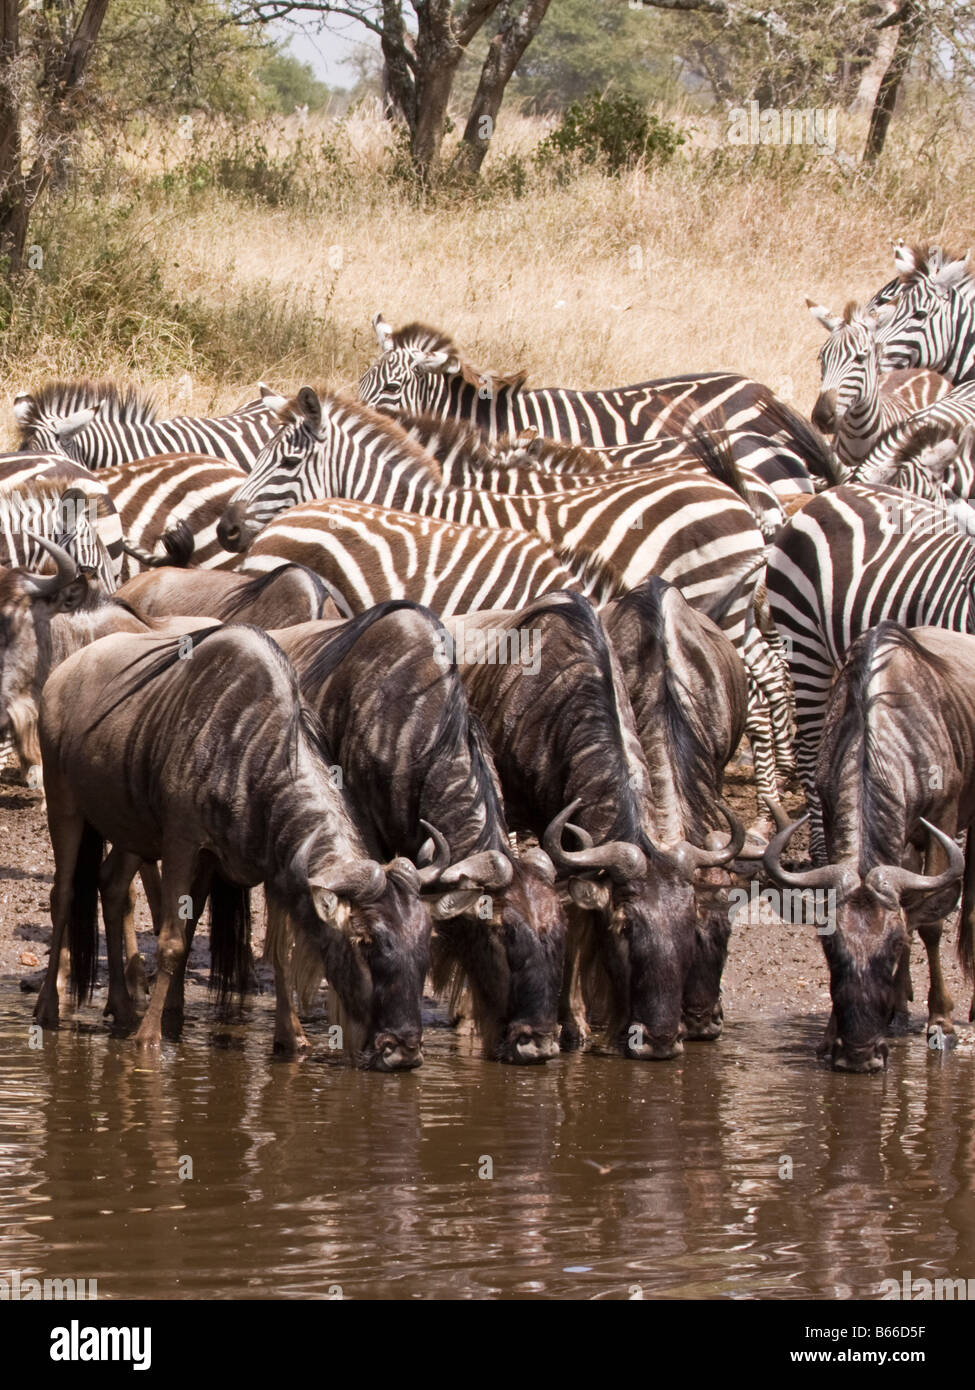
<point>700,264</point>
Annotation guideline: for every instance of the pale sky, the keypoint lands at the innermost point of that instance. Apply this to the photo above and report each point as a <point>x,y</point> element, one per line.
<point>328,51</point>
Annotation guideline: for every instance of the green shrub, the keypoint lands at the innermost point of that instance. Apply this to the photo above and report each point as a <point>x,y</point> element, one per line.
<point>614,132</point>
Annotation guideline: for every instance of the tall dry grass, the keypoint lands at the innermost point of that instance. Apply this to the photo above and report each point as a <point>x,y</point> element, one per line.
<point>194,268</point>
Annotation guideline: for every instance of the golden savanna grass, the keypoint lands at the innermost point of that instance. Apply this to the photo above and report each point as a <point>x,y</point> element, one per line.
<point>699,264</point>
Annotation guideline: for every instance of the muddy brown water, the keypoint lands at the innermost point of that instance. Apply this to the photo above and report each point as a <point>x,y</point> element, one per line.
<point>591,1178</point>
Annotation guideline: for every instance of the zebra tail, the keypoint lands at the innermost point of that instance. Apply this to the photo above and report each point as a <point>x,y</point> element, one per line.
<point>179,544</point>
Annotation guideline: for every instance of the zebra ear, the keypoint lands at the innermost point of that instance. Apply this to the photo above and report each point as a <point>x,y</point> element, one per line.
<point>966,440</point>
<point>950,276</point>
<point>23,408</point>
<point>939,457</point>
<point>272,399</point>
<point>71,424</point>
<point>311,408</point>
<point>905,262</point>
<point>822,315</point>
<point>426,363</point>
<point>383,332</point>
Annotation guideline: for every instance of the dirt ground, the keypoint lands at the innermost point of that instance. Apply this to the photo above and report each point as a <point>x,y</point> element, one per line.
<point>773,969</point>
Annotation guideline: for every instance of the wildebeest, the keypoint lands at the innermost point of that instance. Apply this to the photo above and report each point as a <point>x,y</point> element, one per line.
<point>197,751</point>
<point>411,752</point>
<point>896,770</point>
<point>549,690</point>
<point>688,692</point>
<point>290,594</point>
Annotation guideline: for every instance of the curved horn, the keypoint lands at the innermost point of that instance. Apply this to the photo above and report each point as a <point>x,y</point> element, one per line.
<point>364,881</point>
<point>434,856</point>
<point>904,881</point>
<point>619,858</point>
<point>688,858</point>
<point>836,876</point>
<point>537,859</point>
<point>487,869</point>
<point>47,585</point>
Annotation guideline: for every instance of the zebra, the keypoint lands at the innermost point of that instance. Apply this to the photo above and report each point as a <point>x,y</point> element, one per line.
<point>852,557</point>
<point>421,370</point>
<point>932,322</point>
<point>544,467</point>
<point>84,491</point>
<point>936,460</point>
<point>687,528</point>
<point>99,425</point>
<point>857,402</point>
<point>68,516</point>
<point>155,495</point>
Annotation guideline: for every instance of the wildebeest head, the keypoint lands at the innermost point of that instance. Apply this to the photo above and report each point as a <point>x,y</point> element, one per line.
<point>373,937</point>
<point>864,934</point>
<point>659,959</point>
<point>501,931</point>
<point>28,601</point>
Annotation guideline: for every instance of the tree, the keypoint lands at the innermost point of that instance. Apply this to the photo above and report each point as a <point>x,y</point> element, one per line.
<point>421,58</point>
<point>45,83</point>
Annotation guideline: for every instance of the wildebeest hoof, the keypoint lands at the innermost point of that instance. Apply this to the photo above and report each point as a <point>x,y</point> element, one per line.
<point>900,1022</point>
<point>573,1038</point>
<point>46,1011</point>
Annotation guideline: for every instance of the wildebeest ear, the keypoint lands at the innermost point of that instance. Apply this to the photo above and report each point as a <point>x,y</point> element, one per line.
<point>72,596</point>
<point>311,407</point>
<point>325,902</point>
<point>590,893</point>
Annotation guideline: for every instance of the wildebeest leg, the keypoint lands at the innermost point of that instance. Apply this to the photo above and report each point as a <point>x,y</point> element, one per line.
<point>66,828</point>
<point>178,874</point>
<point>940,1003</point>
<point>900,1019</point>
<point>289,1036</point>
<point>966,921</point>
<point>825,1047</point>
<point>135,967</point>
<point>118,901</point>
<point>191,912</point>
<point>575,1033</point>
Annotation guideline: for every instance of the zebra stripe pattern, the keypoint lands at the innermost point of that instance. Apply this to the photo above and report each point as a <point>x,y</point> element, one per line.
<point>852,557</point>
<point>154,495</point>
<point>98,426</point>
<point>421,371</point>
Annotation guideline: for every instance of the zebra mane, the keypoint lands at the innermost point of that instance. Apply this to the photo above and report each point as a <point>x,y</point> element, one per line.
<point>440,435</point>
<point>926,436</point>
<point>551,454</point>
<point>426,339</point>
<point>929,258</point>
<point>123,404</point>
<point>881,807</point>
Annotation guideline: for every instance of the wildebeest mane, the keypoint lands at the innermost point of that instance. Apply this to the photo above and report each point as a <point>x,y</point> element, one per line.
<point>239,599</point>
<point>586,714</point>
<point>854,737</point>
<point>677,712</point>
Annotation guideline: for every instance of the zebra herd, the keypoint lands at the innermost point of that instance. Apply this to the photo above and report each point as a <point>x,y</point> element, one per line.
<point>692,558</point>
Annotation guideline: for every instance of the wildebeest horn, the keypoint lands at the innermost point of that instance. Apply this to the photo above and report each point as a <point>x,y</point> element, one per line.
<point>47,585</point>
<point>539,861</point>
<point>901,880</point>
<point>620,859</point>
<point>363,882</point>
<point>687,858</point>
<point>489,868</point>
<point>434,856</point>
<point>838,876</point>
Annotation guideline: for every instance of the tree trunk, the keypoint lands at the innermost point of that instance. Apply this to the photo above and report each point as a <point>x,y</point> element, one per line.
<point>518,26</point>
<point>437,56</point>
<point>13,209</point>
<point>911,21</point>
<point>60,117</point>
<point>399,91</point>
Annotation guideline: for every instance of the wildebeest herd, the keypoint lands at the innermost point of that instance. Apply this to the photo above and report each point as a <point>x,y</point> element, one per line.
<point>454,669</point>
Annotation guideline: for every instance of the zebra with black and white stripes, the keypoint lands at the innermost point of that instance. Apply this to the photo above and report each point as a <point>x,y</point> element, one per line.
<point>65,505</point>
<point>857,401</point>
<point>100,425</point>
<point>422,371</point>
<point>852,557</point>
<point>684,527</point>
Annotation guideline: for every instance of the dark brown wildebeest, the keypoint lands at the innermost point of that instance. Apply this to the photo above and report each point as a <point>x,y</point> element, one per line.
<point>197,751</point>
<point>896,772</point>
<point>411,752</point>
<point>549,690</point>
<point>279,598</point>
<point>689,695</point>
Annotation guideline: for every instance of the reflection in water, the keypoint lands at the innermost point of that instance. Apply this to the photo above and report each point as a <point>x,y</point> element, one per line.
<point>742,1170</point>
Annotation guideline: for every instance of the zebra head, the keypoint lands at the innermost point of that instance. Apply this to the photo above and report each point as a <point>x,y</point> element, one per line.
<point>291,468</point>
<point>932,321</point>
<point>849,363</point>
<point>413,373</point>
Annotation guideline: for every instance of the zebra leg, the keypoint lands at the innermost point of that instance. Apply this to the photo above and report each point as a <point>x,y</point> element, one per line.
<point>758,727</point>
